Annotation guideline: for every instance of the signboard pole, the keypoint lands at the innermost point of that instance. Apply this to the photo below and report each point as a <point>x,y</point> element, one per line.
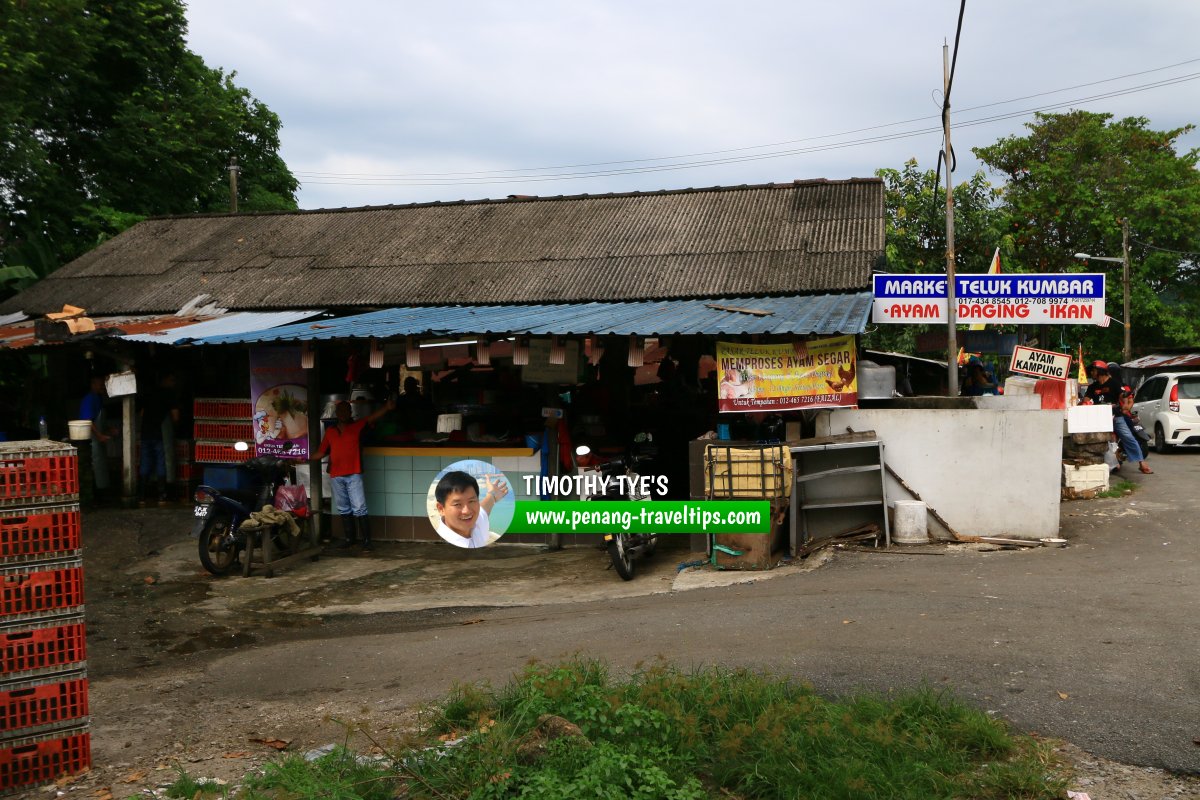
<point>951,322</point>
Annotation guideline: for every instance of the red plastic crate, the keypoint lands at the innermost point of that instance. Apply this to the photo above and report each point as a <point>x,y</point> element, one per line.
<point>221,408</point>
<point>29,706</point>
<point>26,478</point>
<point>221,453</point>
<point>48,588</point>
<point>41,648</point>
<point>225,430</point>
<point>40,759</point>
<point>39,532</point>
<point>185,472</point>
<point>183,450</point>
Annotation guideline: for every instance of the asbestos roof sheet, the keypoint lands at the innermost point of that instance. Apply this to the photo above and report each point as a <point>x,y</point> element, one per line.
<point>804,237</point>
<point>813,314</point>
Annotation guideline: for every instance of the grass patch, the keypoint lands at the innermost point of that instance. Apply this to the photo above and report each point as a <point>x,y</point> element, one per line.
<point>1118,488</point>
<point>666,734</point>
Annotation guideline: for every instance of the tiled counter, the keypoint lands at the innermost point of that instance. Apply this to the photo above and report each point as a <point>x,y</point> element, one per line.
<point>398,482</point>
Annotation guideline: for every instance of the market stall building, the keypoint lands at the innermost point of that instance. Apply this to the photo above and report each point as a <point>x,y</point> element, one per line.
<point>607,308</point>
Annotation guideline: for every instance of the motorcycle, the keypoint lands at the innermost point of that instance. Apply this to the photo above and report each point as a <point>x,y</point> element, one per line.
<point>624,548</point>
<point>218,514</point>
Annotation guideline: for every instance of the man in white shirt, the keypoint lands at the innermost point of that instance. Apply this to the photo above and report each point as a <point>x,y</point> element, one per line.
<point>464,515</point>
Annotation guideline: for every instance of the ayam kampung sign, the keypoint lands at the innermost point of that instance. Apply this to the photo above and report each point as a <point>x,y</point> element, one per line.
<point>1066,299</point>
<point>1040,363</point>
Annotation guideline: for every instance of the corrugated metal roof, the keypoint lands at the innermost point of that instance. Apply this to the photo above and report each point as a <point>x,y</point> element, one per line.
<point>224,325</point>
<point>164,329</point>
<point>817,314</point>
<point>777,239</point>
<point>1161,360</point>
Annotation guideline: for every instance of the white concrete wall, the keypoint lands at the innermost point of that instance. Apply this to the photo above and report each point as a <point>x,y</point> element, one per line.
<point>989,472</point>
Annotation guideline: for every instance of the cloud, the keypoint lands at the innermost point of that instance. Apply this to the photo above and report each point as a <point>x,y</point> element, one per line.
<point>384,88</point>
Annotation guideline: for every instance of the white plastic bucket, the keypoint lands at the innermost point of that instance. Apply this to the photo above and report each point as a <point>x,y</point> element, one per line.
<point>911,523</point>
<point>79,429</point>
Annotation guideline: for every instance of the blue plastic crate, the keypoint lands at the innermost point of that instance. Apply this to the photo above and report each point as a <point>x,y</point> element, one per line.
<point>229,478</point>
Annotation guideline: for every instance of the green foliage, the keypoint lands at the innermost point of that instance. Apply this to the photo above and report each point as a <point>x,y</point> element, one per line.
<point>915,216</point>
<point>1119,488</point>
<point>186,787</point>
<point>668,734</point>
<point>1072,179</point>
<point>106,117</point>
<point>663,734</point>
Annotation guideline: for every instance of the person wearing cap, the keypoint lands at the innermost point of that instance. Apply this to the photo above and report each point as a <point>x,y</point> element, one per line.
<point>343,443</point>
<point>1102,389</point>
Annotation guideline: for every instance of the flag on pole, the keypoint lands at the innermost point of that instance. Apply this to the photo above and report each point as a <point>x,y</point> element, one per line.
<point>1104,322</point>
<point>994,269</point>
<point>1083,381</point>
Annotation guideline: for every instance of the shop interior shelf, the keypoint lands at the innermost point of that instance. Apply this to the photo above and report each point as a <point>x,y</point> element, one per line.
<point>829,473</point>
<point>840,502</point>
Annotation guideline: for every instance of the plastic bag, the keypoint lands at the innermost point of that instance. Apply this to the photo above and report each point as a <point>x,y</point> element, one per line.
<point>292,497</point>
<point>1110,458</point>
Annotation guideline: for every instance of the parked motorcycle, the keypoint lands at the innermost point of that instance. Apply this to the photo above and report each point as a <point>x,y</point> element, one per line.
<point>219,514</point>
<point>625,548</point>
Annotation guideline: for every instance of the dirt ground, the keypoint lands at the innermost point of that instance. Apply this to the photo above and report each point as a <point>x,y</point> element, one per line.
<point>160,630</point>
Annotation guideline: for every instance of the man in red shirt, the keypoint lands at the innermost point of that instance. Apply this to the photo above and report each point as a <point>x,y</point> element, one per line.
<point>342,442</point>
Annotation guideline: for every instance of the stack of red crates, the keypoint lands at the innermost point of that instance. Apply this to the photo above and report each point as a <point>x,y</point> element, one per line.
<point>219,423</point>
<point>43,647</point>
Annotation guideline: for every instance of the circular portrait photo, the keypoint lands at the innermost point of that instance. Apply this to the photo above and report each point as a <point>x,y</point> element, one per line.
<point>281,419</point>
<point>470,503</point>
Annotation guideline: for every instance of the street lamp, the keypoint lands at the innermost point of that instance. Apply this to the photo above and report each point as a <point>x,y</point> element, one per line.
<point>1127,354</point>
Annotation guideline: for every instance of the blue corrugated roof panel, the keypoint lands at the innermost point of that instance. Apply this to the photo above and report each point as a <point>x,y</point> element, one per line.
<point>809,314</point>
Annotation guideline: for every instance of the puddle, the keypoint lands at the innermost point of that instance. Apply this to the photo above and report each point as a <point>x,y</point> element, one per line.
<point>212,639</point>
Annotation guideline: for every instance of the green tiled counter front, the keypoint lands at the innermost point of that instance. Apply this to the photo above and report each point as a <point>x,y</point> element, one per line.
<point>398,480</point>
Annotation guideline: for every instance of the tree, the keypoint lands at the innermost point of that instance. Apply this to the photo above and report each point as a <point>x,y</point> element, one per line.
<point>107,117</point>
<point>915,214</point>
<point>1070,182</point>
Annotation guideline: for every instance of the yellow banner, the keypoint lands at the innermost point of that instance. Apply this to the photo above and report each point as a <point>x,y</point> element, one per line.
<point>817,373</point>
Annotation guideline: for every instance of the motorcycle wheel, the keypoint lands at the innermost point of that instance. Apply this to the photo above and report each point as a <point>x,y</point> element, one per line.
<point>218,553</point>
<point>621,560</point>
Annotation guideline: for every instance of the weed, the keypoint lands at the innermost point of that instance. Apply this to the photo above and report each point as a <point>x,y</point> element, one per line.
<point>665,734</point>
<point>186,787</point>
<point>1119,488</point>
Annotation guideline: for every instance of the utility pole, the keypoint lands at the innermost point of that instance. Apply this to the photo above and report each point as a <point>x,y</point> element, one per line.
<point>233,173</point>
<point>1127,353</point>
<point>951,304</point>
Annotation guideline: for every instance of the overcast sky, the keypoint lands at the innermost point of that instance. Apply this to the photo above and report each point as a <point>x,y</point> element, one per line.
<point>381,100</point>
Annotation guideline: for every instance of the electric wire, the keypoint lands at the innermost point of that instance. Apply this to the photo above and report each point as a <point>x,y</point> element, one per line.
<point>497,172</point>
<point>392,181</point>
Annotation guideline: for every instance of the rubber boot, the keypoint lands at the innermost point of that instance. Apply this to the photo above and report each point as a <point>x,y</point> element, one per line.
<point>347,531</point>
<point>364,529</point>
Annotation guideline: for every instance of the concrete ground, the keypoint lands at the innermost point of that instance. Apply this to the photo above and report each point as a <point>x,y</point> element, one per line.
<point>1094,643</point>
